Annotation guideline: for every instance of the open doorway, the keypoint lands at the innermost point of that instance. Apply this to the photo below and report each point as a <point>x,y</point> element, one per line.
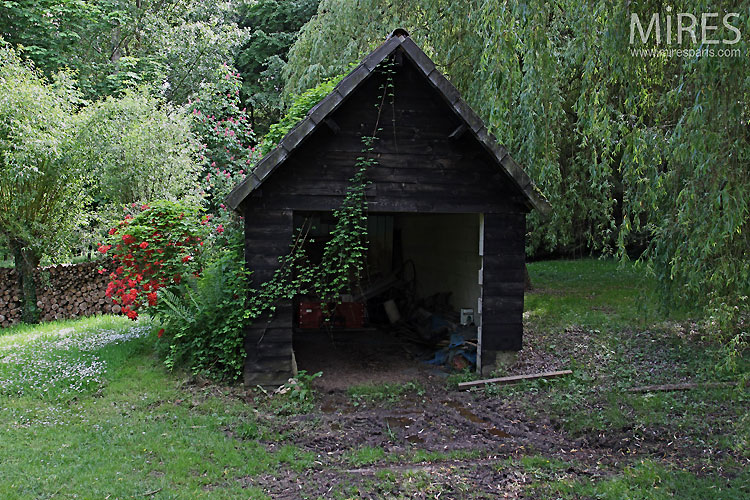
<point>418,305</point>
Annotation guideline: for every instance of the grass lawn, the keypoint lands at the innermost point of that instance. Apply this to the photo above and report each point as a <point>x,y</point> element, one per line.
<point>87,410</point>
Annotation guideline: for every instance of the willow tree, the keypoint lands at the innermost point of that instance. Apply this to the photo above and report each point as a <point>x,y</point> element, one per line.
<point>40,190</point>
<point>638,152</point>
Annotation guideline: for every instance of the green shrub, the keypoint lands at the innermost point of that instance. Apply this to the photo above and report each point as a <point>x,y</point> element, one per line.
<point>136,148</point>
<point>297,111</point>
<point>154,247</point>
<point>296,396</point>
<point>203,319</point>
<point>188,272</point>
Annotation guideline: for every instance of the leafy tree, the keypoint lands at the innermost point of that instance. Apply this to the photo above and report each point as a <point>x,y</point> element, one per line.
<point>273,26</point>
<point>192,42</point>
<point>113,45</point>
<point>227,138</point>
<point>137,149</point>
<point>49,31</point>
<point>633,151</point>
<point>40,188</point>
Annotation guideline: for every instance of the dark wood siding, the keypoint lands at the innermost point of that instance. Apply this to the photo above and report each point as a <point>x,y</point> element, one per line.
<point>268,341</point>
<point>421,169</point>
<point>503,264</point>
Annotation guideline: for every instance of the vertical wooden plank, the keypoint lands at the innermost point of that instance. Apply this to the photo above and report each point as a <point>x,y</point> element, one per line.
<point>481,234</point>
<point>479,313</point>
<point>389,243</point>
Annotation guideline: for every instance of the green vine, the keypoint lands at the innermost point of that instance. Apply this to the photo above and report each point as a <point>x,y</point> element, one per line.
<point>344,255</point>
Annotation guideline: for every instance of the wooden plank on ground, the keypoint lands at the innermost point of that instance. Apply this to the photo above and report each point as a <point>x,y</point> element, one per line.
<point>512,379</point>
<point>681,387</point>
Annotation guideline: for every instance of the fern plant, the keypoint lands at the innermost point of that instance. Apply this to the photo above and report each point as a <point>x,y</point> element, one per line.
<point>203,319</point>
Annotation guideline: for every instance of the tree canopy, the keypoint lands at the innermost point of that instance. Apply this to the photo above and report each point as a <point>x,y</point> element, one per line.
<point>112,45</point>
<point>40,188</point>
<point>273,27</point>
<point>635,152</point>
<point>641,152</point>
<point>136,149</point>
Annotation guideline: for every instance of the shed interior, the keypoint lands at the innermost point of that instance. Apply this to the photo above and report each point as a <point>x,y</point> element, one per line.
<point>419,294</point>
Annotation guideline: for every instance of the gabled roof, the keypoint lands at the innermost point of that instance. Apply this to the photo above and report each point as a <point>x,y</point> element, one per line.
<point>399,38</point>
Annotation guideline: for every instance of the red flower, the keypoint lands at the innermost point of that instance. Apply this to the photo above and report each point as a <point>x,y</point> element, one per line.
<point>112,231</point>
<point>143,244</point>
<point>128,239</point>
<point>161,332</point>
<point>220,228</point>
<point>130,314</point>
<point>104,248</point>
<point>186,258</point>
<point>120,270</point>
<point>144,207</point>
<point>151,298</point>
<point>177,278</point>
<point>102,271</point>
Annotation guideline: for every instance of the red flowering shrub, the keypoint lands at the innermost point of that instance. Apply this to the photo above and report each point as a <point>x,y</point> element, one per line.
<point>152,249</point>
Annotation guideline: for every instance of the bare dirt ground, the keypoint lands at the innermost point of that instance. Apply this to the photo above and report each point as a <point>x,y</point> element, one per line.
<point>433,441</point>
<point>355,358</point>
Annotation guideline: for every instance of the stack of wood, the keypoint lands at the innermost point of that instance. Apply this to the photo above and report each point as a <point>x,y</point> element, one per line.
<point>63,291</point>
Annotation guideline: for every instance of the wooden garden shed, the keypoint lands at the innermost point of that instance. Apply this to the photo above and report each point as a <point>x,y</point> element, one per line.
<point>444,195</point>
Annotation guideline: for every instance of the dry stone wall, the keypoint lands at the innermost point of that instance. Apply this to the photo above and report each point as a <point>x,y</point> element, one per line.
<point>63,291</point>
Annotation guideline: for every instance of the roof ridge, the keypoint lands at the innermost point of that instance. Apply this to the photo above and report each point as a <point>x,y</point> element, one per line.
<point>318,113</point>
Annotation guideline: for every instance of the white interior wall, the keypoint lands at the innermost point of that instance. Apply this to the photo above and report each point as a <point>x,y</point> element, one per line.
<point>445,250</point>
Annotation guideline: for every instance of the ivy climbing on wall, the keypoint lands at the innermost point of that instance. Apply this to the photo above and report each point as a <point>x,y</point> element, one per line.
<point>345,254</point>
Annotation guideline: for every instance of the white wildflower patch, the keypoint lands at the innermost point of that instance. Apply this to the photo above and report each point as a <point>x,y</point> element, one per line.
<point>59,362</point>
<point>21,340</point>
